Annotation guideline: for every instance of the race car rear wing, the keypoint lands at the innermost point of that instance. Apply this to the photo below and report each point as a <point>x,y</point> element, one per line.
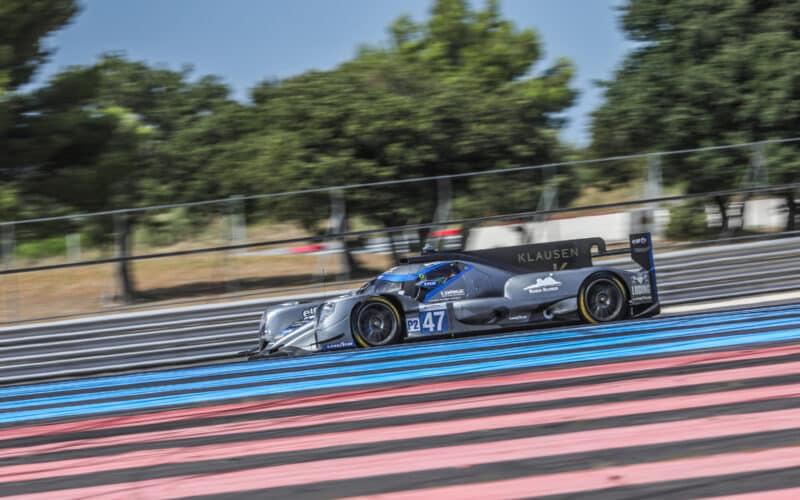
<point>550,256</point>
<point>535,257</point>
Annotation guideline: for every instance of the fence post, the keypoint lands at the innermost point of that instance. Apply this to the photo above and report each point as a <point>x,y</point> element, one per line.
<point>237,220</point>
<point>338,224</point>
<point>655,179</point>
<point>444,204</point>
<point>548,200</point>
<point>8,249</point>
<point>73,242</point>
<point>237,235</point>
<point>758,174</point>
<point>126,288</point>
<point>653,189</point>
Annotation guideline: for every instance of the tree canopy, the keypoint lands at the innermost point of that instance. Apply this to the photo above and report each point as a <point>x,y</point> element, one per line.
<point>704,72</point>
<point>451,94</point>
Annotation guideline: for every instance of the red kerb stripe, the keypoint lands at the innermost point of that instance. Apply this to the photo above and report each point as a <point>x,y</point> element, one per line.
<point>423,459</point>
<point>475,454</point>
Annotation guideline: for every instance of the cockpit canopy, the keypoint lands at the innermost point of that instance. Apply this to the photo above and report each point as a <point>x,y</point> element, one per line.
<point>418,280</point>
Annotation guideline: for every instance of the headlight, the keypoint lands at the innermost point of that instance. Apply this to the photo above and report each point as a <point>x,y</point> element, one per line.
<point>325,311</point>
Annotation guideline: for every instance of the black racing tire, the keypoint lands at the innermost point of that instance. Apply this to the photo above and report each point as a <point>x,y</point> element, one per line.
<point>602,298</point>
<point>377,322</point>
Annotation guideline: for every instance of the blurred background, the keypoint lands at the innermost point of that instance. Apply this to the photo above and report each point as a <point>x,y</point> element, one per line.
<point>328,139</point>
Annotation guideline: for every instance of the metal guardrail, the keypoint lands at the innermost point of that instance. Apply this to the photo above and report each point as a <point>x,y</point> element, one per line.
<point>410,227</point>
<point>218,332</point>
<point>395,182</point>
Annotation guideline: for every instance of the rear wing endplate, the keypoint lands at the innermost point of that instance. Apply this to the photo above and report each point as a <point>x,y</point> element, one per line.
<point>641,248</point>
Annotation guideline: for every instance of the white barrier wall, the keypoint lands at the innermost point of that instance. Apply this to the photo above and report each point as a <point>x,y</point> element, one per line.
<point>766,213</point>
<point>615,227</point>
<point>611,227</point>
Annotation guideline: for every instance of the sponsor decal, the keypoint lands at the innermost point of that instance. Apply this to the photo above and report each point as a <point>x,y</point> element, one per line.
<point>453,294</point>
<point>640,244</point>
<point>428,284</point>
<point>547,255</point>
<point>546,284</point>
<point>518,317</point>
<point>309,313</point>
<point>337,345</point>
<point>640,285</point>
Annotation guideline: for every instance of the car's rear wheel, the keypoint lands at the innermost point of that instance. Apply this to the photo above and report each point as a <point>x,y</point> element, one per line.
<point>602,298</point>
<point>376,323</point>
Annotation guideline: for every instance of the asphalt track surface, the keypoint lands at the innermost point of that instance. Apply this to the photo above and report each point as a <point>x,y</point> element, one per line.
<point>698,406</point>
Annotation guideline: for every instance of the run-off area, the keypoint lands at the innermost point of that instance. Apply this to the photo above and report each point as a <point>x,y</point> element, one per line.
<point>706,405</point>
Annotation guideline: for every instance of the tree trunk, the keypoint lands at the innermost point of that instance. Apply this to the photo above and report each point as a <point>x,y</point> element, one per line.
<point>393,245</point>
<point>791,208</point>
<point>723,212</point>
<point>423,234</point>
<point>125,282</point>
<point>353,265</point>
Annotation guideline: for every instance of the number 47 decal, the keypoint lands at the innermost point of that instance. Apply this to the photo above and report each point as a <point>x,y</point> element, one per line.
<point>434,321</point>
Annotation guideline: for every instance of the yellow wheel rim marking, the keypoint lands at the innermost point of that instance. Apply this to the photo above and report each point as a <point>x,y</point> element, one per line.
<point>357,336</point>
<point>582,300</point>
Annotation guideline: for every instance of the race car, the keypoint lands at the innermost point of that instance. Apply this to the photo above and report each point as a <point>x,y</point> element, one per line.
<point>447,294</point>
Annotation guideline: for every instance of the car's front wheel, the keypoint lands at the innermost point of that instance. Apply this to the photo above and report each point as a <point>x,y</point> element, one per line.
<point>602,298</point>
<point>376,323</point>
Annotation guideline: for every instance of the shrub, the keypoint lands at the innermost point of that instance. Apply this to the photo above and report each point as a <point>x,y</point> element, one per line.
<point>688,221</point>
<point>39,249</point>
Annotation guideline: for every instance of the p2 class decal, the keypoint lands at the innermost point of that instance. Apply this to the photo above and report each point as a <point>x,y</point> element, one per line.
<point>412,324</point>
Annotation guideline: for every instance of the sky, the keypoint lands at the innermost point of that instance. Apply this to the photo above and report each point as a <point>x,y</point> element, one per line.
<point>247,41</point>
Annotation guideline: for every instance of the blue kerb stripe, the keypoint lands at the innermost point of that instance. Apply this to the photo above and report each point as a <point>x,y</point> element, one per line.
<point>451,346</point>
<point>395,351</point>
<point>401,363</point>
<point>399,376</point>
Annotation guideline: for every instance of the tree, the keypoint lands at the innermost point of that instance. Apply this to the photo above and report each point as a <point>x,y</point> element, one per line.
<point>704,72</point>
<point>446,96</point>
<point>121,134</point>
<point>25,24</point>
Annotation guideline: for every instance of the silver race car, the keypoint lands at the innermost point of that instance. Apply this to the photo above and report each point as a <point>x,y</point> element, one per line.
<point>446,294</point>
